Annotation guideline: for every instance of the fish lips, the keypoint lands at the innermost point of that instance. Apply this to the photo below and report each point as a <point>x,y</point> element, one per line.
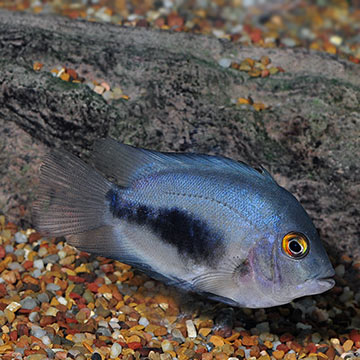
<point>322,285</point>
<point>312,286</point>
<point>319,285</point>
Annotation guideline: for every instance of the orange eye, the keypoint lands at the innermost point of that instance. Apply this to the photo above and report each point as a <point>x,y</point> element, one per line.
<point>295,245</point>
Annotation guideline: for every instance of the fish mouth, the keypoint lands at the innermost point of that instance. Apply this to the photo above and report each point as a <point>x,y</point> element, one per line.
<point>310,287</point>
<point>326,282</point>
<point>314,286</point>
<point>319,285</point>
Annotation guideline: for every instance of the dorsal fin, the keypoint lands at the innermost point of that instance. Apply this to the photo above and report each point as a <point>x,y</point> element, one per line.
<point>126,163</point>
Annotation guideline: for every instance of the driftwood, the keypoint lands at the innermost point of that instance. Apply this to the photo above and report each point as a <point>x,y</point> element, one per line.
<point>181,100</point>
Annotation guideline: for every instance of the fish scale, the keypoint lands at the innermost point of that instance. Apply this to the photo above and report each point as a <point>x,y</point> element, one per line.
<point>203,223</point>
<point>218,198</point>
<point>190,235</point>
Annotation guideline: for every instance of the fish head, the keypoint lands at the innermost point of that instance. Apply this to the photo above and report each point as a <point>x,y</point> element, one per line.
<point>290,261</point>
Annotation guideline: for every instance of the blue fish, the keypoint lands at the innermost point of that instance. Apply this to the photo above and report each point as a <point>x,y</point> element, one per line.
<point>204,223</point>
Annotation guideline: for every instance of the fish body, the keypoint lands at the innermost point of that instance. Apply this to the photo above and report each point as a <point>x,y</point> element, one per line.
<point>204,223</point>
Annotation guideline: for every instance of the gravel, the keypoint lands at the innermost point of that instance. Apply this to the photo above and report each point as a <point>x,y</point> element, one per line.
<point>96,308</point>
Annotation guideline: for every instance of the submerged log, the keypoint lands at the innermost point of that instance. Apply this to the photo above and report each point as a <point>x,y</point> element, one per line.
<point>181,99</point>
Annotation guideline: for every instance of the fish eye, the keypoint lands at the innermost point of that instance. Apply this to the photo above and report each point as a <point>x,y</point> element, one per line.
<point>295,245</point>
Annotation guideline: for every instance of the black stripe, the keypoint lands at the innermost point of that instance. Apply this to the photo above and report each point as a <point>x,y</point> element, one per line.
<point>192,236</point>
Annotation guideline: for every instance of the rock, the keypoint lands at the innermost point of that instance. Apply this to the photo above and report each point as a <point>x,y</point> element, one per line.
<point>34,317</point>
<point>114,323</point>
<point>39,264</point>
<point>46,340</point>
<point>10,315</point>
<point>78,289</point>
<point>144,321</point>
<point>101,311</point>
<point>278,354</point>
<point>276,344</point>
<point>178,336</point>
<point>9,276</point>
<point>17,252</point>
<point>9,249</point>
<point>96,356</point>
<point>346,295</point>
<point>51,311</point>
<point>225,63</point>
<point>28,303</point>
<point>52,287</point>
<point>50,353</point>
<point>15,266</point>
<point>348,344</point>
<point>320,314</point>
<point>19,350</point>
<point>216,340</point>
<point>42,251</point>
<point>13,306</point>
<point>149,284</point>
<point>288,42</point>
<point>340,270</point>
<point>36,357</point>
<point>165,356</point>
<point>43,297</point>
<point>66,260</point>
<point>115,350</point>
<point>73,353</point>
<point>267,337</point>
<point>37,332</point>
<point>51,259</point>
<point>263,327</point>
<point>166,346</point>
<point>88,296</point>
<point>20,238</point>
<point>315,338</point>
<point>303,326</point>
<point>190,327</point>
<point>103,331</point>
<point>78,338</point>
<point>36,273</point>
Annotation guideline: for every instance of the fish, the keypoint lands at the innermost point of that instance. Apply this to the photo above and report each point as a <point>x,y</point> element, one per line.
<point>205,224</point>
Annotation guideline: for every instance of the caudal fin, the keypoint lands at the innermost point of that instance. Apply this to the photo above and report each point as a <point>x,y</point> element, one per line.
<point>71,198</point>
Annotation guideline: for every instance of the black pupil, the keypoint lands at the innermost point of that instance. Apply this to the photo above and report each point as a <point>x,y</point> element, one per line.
<point>295,247</point>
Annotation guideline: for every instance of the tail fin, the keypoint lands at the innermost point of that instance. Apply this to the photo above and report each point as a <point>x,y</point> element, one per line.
<point>71,197</point>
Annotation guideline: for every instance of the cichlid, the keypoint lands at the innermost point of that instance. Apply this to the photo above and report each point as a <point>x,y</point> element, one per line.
<point>204,223</point>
